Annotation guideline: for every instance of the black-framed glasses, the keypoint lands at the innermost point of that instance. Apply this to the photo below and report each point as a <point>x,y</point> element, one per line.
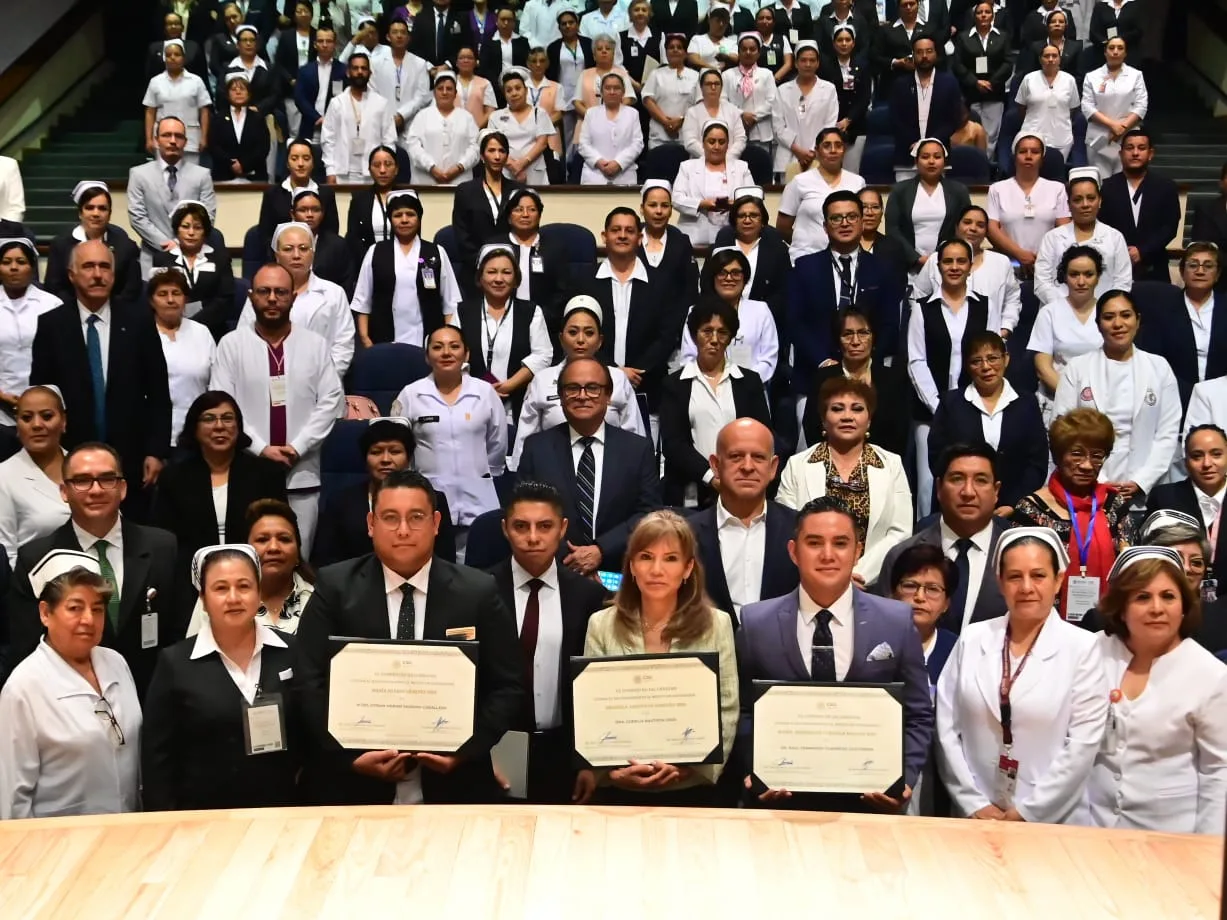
<point>107,482</point>
<point>843,218</point>
<point>103,708</point>
<point>730,274</point>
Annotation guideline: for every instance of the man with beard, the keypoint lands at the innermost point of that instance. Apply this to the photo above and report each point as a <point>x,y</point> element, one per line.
<point>284,382</point>
<point>357,121</point>
<point>401,77</point>
<point>1144,206</point>
<point>926,103</point>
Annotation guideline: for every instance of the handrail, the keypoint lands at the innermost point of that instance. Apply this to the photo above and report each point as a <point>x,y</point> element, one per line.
<point>34,58</point>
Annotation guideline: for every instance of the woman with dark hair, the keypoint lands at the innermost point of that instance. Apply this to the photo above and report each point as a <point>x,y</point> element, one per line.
<point>238,141</point>
<point>700,398</point>
<point>207,273</point>
<point>756,345</point>
<point>332,258</point>
<point>703,189</point>
<point>1065,328</point>
<point>479,206</point>
<point>665,251</point>
<point>800,220</point>
<point>526,129</point>
<point>662,608</point>
<point>806,106</point>
<point>544,265</point>
<point>1025,206</point>
<point>442,138</point>
<point>924,579</point>
<point>610,137</point>
<point>22,302</point>
<point>31,504</point>
<point>93,201</point>
<point>749,230</point>
<point>368,221</point>
<point>1085,201</point>
<point>202,499</point>
<point>277,200</point>
<point>186,344</point>
<point>922,211</point>
<point>848,70</point>
<point>1114,99</point>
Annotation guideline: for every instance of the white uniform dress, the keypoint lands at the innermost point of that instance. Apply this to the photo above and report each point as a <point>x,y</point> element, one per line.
<point>802,200</point>
<point>928,215</point>
<point>18,324</point>
<point>1048,108</point>
<point>1163,762</point>
<point>1108,241</point>
<point>434,139</point>
<point>674,93</point>
<point>760,101</point>
<point>352,129</point>
<point>1058,332</point>
<point>1116,98</point>
<point>183,97</point>
<point>695,182</point>
<point>697,116</point>
<point>797,118</point>
<point>994,279</point>
<point>406,311</point>
<point>521,135</point>
<point>1026,218</point>
<point>324,309</point>
<point>30,504</point>
<point>58,757</point>
<point>706,49</point>
<point>603,138</point>
<point>757,345</point>
<point>461,446</point>
<point>189,361</point>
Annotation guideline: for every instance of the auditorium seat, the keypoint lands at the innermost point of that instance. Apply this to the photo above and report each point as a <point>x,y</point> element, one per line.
<point>382,371</point>
<point>970,165</point>
<point>878,123</point>
<point>341,460</point>
<point>242,288</point>
<point>662,162</point>
<point>878,162</point>
<point>253,253</point>
<point>486,545</point>
<point>578,241</point>
<point>445,239</point>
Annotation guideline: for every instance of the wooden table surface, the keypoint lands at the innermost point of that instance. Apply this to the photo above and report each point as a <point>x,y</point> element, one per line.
<point>480,863</point>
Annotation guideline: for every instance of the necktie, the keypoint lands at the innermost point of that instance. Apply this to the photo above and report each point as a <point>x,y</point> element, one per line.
<point>108,573</point>
<point>585,480</point>
<point>172,181</point>
<point>93,348</point>
<point>845,282</point>
<point>528,643</point>
<point>440,49</point>
<point>953,620</point>
<point>822,655</point>
<point>405,620</point>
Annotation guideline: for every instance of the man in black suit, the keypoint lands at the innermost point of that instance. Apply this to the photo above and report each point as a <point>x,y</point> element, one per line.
<point>552,605</point>
<point>146,612</point>
<point>107,360</point>
<point>967,533</point>
<point>891,51</point>
<point>1143,205</point>
<point>439,32</point>
<point>1200,496</point>
<point>400,591</point>
<point>608,477</point>
<point>929,87</point>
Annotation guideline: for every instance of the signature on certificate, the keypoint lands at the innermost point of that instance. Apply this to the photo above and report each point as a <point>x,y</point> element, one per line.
<point>608,736</point>
<point>865,767</point>
<point>439,723</point>
<point>363,720</point>
<point>784,762</point>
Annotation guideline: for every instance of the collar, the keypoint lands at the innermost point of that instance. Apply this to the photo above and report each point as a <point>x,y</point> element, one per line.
<point>204,250</point>
<point>690,371</point>
<point>1187,302</point>
<point>63,681</point>
<point>165,166</point>
<point>981,540</point>
<point>206,643</point>
<point>841,609</point>
<point>289,187</point>
<point>520,576</point>
<point>638,274</point>
<point>78,234</point>
<point>103,313</point>
<point>1008,395</point>
<point>420,579</point>
<point>114,536</point>
<point>598,436</point>
<point>1199,494</point>
<point>723,516</point>
<point>991,30</point>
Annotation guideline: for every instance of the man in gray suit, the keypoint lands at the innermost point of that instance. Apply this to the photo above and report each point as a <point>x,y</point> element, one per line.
<point>967,533</point>
<point>829,630</point>
<point>156,187</point>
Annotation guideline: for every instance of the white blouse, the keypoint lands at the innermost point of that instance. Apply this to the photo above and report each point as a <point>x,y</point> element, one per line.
<point>182,97</point>
<point>797,118</point>
<point>756,346</point>
<point>802,200</point>
<point>18,324</point>
<point>1114,97</point>
<point>1058,332</point>
<point>30,504</point>
<point>995,279</point>
<point>1026,218</point>
<point>674,93</point>
<point>189,361</point>
<point>928,215</point>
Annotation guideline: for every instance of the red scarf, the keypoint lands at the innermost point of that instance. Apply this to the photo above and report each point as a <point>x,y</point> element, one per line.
<point>1102,551</point>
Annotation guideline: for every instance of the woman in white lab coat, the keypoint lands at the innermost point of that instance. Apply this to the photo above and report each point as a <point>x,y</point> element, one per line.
<point>803,108</point>
<point>30,502</point>
<point>1163,762</point>
<point>70,720</point>
<point>442,138</point>
<point>22,302</point>
<point>1135,389</point>
<point>187,345</point>
<point>1114,99</point>
<point>1084,204</point>
<point>1022,748</point>
<point>610,138</point>
<point>179,93</point>
<point>1048,96</point>
<point>461,430</point>
<point>757,344</point>
<point>703,190</point>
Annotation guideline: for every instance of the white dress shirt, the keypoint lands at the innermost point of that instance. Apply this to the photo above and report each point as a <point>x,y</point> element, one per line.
<point>1201,318</point>
<point>621,295</point>
<point>977,560</point>
<point>407,324</point>
<point>104,332</point>
<point>1048,108</point>
<point>929,390</point>
<point>18,324</point>
<point>189,361</point>
<point>408,790</point>
<point>928,215</point>
<point>618,138</point>
<point>115,549</point>
<point>496,340</point>
<point>711,407</point>
<point>30,504</point>
<point>990,422</point>
<point>842,627</point>
<point>1208,505</point>
<point>743,550</point>
<point>246,679</point>
<point>598,456</point>
<point>760,103</point>
<point>547,658</point>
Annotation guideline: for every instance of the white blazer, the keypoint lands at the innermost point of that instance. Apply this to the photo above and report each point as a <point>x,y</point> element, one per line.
<point>1059,708</point>
<point>1153,440</point>
<point>314,397</point>
<point>1163,762</point>
<point>890,503</point>
<point>338,134</point>
<point>30,504</point>
<point>695,182</point>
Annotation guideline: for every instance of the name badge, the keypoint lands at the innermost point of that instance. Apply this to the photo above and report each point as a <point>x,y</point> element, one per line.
<point>535,264</point>
<point>428,278</point>
<point>425,419</point>
<point>794,36</point>
<point>337,86</point>
<point>1112,33</point>
<point>771,62</point>
<point>1083,595</point>
<point>553,397</point>
<point>981,64</point>
<point>1029,211</point>
<point>277,390</point>
<point>455,28</point>
<point>398,92</point>
<point>739,353</point>
<point>192,308</point>
<point>634,49</point>
<point>149,629</point>
<point>1007,780</point>
<point>264,725</point>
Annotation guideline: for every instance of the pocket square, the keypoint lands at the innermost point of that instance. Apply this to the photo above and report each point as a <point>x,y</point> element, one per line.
<point>286,674</point>
<point>881,652</point>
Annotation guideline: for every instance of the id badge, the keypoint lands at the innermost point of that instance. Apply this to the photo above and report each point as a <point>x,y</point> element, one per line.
<point>264,725</point>
<point>277,390</point>
<point>1112,33</point>
<point>428,278</point>
<point>982,65</point>
<point>1029,211</point>
<point>1209,590</point>
<point>337,87</point>
<point>1007,781</point>
<point>1111,735</point>
<point>398,92</point>
<point>149,629</point>
<point>740,354</point>
<point>1083,595</point>
<point>793,36</point>
<point>634,49</point>
<point>771,62</point>
<point>535,264</point>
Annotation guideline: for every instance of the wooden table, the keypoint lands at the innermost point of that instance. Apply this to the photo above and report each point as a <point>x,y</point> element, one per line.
<point>471,863</point>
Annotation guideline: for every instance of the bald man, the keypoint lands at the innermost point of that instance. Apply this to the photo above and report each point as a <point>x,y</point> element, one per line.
<point>107,360</point>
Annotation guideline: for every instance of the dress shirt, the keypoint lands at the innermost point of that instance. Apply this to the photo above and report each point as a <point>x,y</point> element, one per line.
<point>246,679</point>
<point>1209,505</point>
<point>525,249</point>
<point>711,408</point>
<point>1135,197</point>
<point>990,422</point>
<point>836,263</point>
<point>621,292</point>
<point>238,118</point>
<point>598,456</point>
<point>547,658</point>
<point>1201,318</point>
<point>977,561</point>
<point>743,549</point>
<point>104,332</point>
<point>927,388</point>
<point>408,790</point>
<point>115,549</point>
<point>325,82</point>
<point>924,100</point>
<point>497,336</point>
<point>842,627</point>
<point>18,324</point>
<point>30,504</point>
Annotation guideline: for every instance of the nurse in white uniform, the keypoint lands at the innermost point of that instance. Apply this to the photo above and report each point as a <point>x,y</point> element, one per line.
<point>1066,328</point>
<point>1084,203</point>
<point>1136,390</point>
<point>1022,208</point>
<point>703,190</point>
<point>461,430</point>
<point>800,219</point>
<point>1114,99</point>
<point>527,128</point>
<point>187,345</point>
<point>442,138</point>
<point>1048,96</point>
<point>70,721</point>
<point>803,107</point>
<point>22,302</point>
<point>30,502</point>
<point>179,93</point>
<point>668,92</point>
<point>610,138</point>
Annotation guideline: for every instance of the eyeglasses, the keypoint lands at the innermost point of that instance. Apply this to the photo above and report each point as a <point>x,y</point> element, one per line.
<point>226,418</point>
<point>576,390</point>
<point>103,708</point>
<point>850,335</point>
<point>871,207</point>
<point>1078,455</point>
<point>912,588</point>
<point>711,332</point>
<point>414,520</point>
<point>108,482</point>
<point>1198,266</point>
<point>989,360</point>
<point>843,218</point>
<point>730,274</point>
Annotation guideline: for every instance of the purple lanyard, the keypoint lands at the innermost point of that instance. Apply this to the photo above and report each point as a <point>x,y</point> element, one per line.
<point>1084,546</point>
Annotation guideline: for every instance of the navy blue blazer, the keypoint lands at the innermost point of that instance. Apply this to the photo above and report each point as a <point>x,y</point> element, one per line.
<point>630,484</point>
<point>767,649</point>
<point>779,574</point>
<point>943,645</point>
<point>947,102</point>
<point>1169,332</point>
<point>308,87</point>
<point>1157,223</point>
<point>813,301</point>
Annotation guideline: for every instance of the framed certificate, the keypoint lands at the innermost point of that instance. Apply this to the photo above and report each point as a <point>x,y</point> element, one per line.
<point>828,737</point>
<point>647,707</point>
<point>391,695</point>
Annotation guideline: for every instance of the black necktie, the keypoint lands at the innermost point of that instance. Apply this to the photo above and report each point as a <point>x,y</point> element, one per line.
<point>953,619</point>
<point>528,644</point>
<point>822,655</point>
<point>585,480</point>
<point>405,621</point>
<point>845,282</point>
<point>440,50</point>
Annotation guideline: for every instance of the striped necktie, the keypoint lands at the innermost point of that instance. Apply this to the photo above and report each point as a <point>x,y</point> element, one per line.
<point>585,480</point>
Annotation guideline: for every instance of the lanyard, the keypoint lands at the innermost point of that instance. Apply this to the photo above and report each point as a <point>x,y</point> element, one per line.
<point>534,94</point>
<point>1007,684</point>
<point>384,211</point>
<point>491,339</point>
<point>1084,546</point>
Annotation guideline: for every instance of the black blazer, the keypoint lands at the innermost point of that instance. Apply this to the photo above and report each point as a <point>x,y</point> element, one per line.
<point>342,534</point>
<point>550,288</point>
<point>1170,334</point>
<point>967,49</point>
<point>1157,224</point>
<point>193,748</point>
<point>899,212</point>
<point>635,56</point>
<point>490,61</point>
<point>183,502</point>
<point>683,463</point>
<point>349,600</point>
<point>905,112</point>
<point>1071,57</point>
<point>308,87</point>
<point>1129,25</point>
<point>1022,453</point>
<point>676,278</point>
<point>149,555</point>
<point>285,61</point>
<point>630,484</point>
<point>265,90</point>
<point>824,26</point>
<point>424,40</point>
<point>333,261</point>
<point>1178,496</point>
<point>213,289</point>
<point>685,21</point>
<point>892,258</point>
<point>554,52</point>
<point>891,43</point>
<point>770,279</point>
<point>220,49</point>
<point>1210,222</point>
<point>275,207</point>
<point>854,98</point>
<point>127,265</point>
<point>474,224</point>
<point>359,235</point>
<point>779,576</point>
<point>891,426</point>
<point>800,18</point>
